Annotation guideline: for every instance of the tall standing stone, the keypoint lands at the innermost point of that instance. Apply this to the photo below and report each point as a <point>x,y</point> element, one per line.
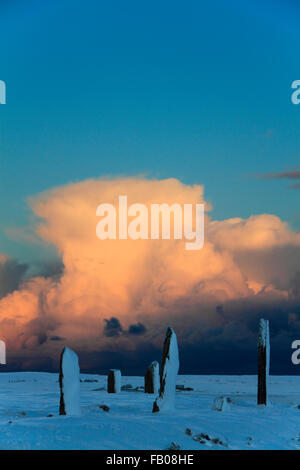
<point>114,381</point>
<point>2,352</point>
<point>152,378</point>
<point>263,362</point>
<point>168,375</point>
<point>69,382</point>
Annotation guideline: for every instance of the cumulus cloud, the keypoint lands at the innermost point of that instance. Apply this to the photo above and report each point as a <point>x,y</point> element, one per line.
<point>248,267</point>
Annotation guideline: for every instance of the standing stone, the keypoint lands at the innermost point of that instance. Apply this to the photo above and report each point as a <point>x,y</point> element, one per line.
<point>114,381</point>
<point>263,362</point>
<point>152,378</point>
<point>2,352</point>
<point>168,375</point>
<point>69,382</point>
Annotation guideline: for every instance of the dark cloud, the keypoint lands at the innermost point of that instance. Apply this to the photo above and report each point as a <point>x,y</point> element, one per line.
<point>137,329</point>
<point>11,275</point>
<point>56,338</point>
<point>229,347</point>
<point>113,327</point>
<point>48,269</point>
<point>220,311</point>
<point>213,338</point>
<point>294,291</point>
<point>289,175</point>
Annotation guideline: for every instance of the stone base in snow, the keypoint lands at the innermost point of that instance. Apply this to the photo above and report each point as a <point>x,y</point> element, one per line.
<point>221,403</point>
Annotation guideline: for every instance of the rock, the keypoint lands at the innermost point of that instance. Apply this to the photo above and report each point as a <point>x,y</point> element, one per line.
<point>104,408</point>
<point>127,387</point>
<point>173,446</point>
<point>182,388</point>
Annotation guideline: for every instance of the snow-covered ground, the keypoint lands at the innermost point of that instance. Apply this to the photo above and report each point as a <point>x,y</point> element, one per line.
<point>29,419</point>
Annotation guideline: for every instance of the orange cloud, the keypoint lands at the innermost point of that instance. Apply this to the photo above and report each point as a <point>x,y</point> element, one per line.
<point>144,280</point>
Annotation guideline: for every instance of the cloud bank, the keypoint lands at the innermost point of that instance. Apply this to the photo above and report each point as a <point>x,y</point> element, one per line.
<point>114,298</point>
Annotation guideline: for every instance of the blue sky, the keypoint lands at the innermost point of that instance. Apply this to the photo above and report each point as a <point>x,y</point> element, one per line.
<point>195,90</point>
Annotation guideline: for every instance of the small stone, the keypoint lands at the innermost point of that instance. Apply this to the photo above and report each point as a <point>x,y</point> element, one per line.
<point>199,438</point>
<point>104,408</point>
<point>173,446</point>
<point>126,387</point>
<point>217,441</point>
